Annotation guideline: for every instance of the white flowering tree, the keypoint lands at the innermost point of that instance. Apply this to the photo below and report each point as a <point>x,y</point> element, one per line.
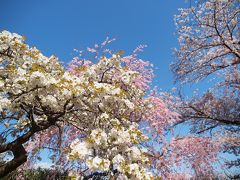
<point>101,100</point>
<point>34,95</point>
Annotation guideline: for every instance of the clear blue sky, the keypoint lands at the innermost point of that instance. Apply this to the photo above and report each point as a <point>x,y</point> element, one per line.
<point>58,26</point>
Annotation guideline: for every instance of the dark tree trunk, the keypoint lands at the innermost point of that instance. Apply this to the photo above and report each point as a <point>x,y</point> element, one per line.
<point>20,157</point>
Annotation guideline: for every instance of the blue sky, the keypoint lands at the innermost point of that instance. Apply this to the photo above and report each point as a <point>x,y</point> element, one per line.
<point>58,26</point>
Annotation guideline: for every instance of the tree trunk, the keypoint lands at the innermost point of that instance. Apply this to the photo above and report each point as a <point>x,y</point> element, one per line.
<point>20,156</point>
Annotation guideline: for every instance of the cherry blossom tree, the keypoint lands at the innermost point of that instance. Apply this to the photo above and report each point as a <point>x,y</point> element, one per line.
<point>209,41</point>
<point>101,101</point>
<point>209,48</point>
<point>96,117</point>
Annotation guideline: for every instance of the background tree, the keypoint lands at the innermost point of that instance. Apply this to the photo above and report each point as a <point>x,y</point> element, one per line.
<point>209,42</point>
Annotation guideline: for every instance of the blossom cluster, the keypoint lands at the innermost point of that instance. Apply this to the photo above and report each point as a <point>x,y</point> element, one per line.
<point>32,82</point>
<point>116,149</point>
<point>112,140</point>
